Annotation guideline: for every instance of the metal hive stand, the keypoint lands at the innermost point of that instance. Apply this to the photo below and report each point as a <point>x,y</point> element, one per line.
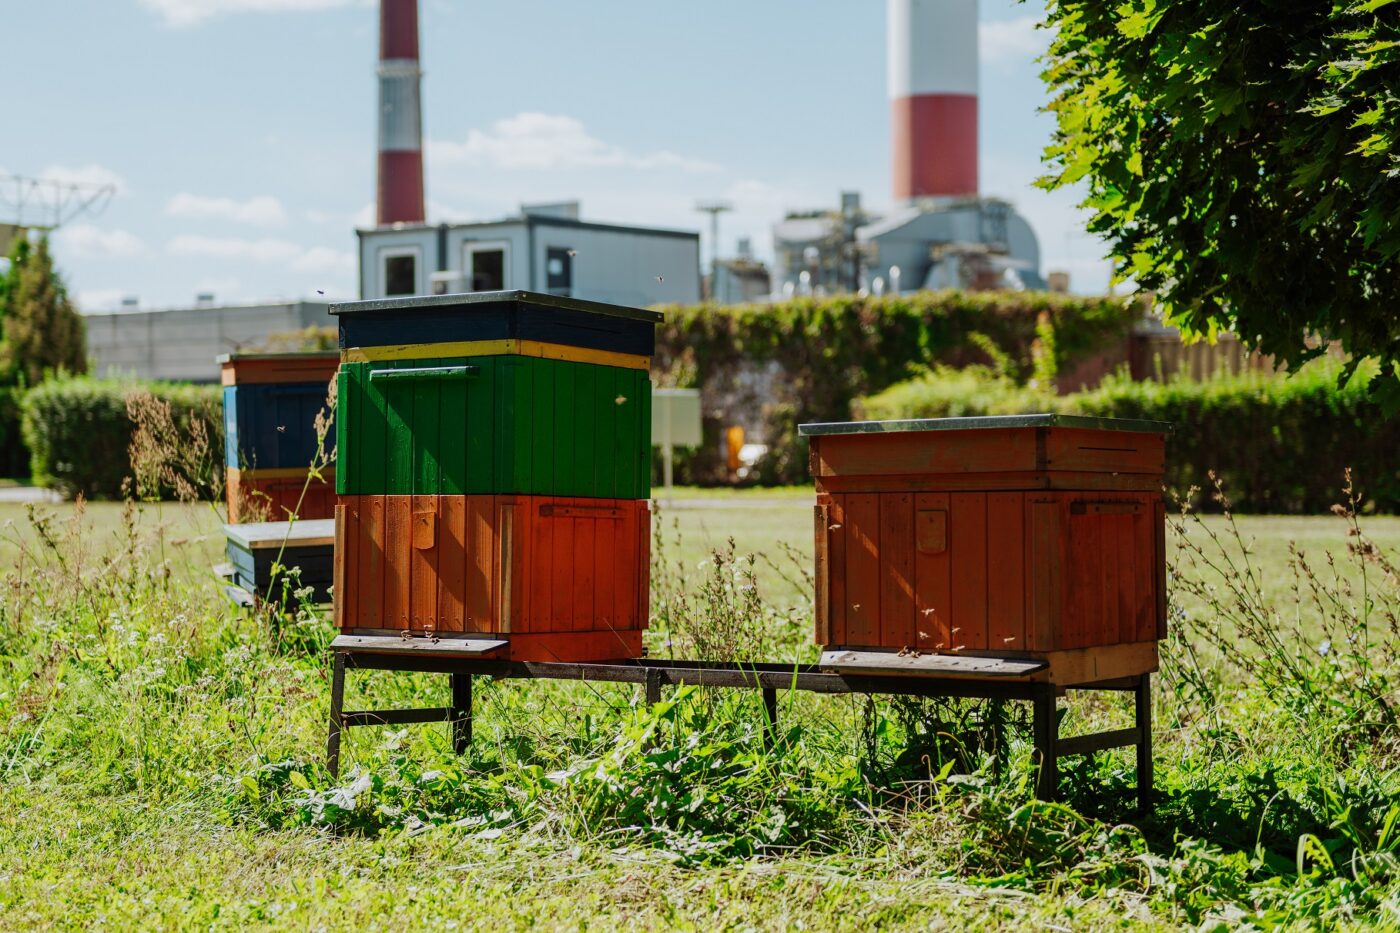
<point>930,675</point>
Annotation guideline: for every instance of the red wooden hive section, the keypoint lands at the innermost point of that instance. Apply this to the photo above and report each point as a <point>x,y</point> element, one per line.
<point>1016,536</point>
<point>565,578</point>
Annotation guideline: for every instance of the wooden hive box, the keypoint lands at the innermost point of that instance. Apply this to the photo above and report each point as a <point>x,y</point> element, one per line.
<point>1025,536</point>
<point>253,548</point>
<point>270,405</point>
<point>494,468</point>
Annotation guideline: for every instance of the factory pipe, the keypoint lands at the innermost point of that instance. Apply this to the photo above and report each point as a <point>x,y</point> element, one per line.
<point>400,188</point>
<point>932,60</point>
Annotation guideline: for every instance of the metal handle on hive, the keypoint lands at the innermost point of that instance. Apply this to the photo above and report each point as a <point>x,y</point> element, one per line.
<point>426,373</point>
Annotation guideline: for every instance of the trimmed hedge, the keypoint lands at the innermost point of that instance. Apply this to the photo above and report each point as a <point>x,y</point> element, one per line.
<point>1278,443</point>
<point>79,434</point>
<point>811,358</point>
<point>14,456</point>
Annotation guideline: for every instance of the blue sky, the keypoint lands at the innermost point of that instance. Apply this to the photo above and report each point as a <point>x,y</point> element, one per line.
<point>241,133</point>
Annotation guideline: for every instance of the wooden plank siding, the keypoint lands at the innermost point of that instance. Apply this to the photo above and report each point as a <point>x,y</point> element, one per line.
<point>514,424</point>
<point>1000,571</point>
<point>537,566</point>
<point>254,495</point>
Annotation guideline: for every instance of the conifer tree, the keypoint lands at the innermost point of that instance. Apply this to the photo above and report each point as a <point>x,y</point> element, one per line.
<point>42,329</point>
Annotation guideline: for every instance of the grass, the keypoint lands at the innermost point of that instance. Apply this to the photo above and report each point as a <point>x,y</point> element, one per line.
<point>159,768</point>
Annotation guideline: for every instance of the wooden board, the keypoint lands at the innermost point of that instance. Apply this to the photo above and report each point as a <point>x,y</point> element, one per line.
<point>513,425</point>
<point>393,644</point>
<point>261,369</point>
<point>263,535</point>
<point>915,664</point>
<point>273,426</point>
<point>546,351</point>
<point>252,495</point>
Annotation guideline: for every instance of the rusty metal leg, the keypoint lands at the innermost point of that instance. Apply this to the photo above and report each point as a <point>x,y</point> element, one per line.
<point>461,712</point>
<point>770,717</point>
<point>1143,696</point>
<point>653,687</point>
<point>1045,727</point>
<point>337,705</point>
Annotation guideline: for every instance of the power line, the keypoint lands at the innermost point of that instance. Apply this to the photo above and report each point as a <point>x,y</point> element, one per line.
<point>47,204</point>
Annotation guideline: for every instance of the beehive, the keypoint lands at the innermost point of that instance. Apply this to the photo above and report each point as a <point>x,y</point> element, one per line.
<point>1022,535</point>
<point>270,407</point>
<point>494,471</point>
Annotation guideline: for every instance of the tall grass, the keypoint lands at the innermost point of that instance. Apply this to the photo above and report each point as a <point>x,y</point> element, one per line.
<point>125,683</point>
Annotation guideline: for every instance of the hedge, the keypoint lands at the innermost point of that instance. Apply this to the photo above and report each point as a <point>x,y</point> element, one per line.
<point>14,456</point>
<point>79,434</point>
<point>1279,443</point>
<point>809,359</point>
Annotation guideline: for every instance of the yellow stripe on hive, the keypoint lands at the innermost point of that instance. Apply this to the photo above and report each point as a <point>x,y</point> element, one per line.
<point>510,347</point>
<point>234,473</point>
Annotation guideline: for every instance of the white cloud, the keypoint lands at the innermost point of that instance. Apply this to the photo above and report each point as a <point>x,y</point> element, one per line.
<point>551,141</point>
<point>91,174</point>
<point>266,250</point>
<point>191,12</point>
<point>262,210</point>
<point>1012,40</point>
<point>90,241</point>
<point>261,250</point>
<point>323,259</point>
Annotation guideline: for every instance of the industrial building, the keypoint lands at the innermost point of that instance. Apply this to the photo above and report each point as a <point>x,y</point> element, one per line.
<point>942,232</point>
<point>183,344</point>
<point>545,248</point>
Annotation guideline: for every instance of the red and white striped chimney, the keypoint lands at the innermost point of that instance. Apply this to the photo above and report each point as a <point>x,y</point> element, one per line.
<point>932,58</point>
<point>400,190</point>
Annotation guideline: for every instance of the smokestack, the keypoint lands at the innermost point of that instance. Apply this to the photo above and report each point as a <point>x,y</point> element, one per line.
<point>400,190</point>
<point>932,58</point>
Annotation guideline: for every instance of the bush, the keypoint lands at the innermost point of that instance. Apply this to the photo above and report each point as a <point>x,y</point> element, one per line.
<point>774,366</point>
<point>14,456</point>
<point>1283,441</point>
<point>79,433</point>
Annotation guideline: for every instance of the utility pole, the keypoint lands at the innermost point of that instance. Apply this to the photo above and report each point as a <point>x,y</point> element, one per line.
<point>714,209</point>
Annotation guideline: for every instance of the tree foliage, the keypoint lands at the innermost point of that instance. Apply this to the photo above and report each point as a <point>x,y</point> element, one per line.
<point>1243,162</point>
<point>43,331</point>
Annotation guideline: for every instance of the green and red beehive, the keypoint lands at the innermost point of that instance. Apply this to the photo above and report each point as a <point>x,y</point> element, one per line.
<point>494,469</point>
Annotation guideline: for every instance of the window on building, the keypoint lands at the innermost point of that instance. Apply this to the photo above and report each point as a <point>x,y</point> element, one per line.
<point>400,275</point>
<point>559,271</point>
<point>488,270</point>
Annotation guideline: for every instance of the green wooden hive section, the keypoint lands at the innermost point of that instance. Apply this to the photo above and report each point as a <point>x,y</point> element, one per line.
<point>493,424</point>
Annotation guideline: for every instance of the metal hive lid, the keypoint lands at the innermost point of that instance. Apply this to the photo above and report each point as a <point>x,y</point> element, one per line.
<point>1045,420</point>
<point>482,301</point>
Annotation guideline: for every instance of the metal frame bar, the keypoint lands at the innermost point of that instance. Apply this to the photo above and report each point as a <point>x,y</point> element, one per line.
<point>652,675</point>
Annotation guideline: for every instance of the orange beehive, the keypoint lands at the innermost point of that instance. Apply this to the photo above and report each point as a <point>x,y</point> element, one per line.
<point>1029,534</point>
<point>564,578</point>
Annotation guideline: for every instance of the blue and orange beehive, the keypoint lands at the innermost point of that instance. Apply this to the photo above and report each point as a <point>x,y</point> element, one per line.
<point>271,401</point>
<point>494,472</point>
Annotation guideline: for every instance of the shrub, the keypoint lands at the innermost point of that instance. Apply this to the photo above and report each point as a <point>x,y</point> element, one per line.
<point>1284,441</point>
<point>809,359</point>
<point>14,456</point>
<point>79,432</point>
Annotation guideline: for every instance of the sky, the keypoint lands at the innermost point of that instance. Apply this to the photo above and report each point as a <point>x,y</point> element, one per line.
<point>240,134</point>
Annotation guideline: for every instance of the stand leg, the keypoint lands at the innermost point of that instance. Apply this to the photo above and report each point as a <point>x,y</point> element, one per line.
<point>1045,728</point>
<point>461,712</point>
<point>337,705</point>
<point>1144,744</point>
<point>770,713</point>
<point>653,687</point>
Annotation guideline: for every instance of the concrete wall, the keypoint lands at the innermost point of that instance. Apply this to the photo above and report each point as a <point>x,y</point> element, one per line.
<point>182,343</point>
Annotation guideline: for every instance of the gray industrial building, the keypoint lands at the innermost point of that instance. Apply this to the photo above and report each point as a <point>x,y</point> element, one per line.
<point>546,248</point>
<point>182,344</point>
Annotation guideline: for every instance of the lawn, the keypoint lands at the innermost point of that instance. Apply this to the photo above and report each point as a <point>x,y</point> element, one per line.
<point>159,768</point>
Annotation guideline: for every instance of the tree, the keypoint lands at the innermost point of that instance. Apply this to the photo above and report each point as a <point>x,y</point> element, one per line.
<point>1243,162</point>
<point>42,329</point>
